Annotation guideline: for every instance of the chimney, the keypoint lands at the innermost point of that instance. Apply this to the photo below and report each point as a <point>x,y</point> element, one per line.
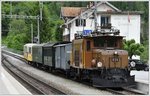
<point>91,4</point>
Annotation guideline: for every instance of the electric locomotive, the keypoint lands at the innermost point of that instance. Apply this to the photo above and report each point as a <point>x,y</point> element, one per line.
<point>99,57</point>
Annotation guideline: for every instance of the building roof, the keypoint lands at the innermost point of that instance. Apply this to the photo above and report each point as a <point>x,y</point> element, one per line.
<point>72,11</point>
<point>124,12</point>
<point>76,11</point>
<point>88,10</point>
<point>51,44</point>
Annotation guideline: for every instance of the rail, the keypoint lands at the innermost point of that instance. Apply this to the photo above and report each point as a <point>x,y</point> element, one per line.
<point>123,91</point>
<point>40,87</point>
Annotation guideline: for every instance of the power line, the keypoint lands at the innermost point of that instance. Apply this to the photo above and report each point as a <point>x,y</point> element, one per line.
<point>26,17</point>
<point>20,16</point>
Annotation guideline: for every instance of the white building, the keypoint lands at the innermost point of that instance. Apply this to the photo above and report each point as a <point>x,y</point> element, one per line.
<point>81,19</point>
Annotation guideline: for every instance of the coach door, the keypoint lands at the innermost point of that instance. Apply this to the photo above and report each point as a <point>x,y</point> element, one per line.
<point>57,57</point>
<point>62,57</point>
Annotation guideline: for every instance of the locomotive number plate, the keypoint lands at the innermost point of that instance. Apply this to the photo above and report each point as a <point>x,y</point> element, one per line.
<point>114,59</point>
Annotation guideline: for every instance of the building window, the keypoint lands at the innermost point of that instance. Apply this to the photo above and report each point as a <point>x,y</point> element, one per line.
<point>79,32</point>
<point>105,20</point>
<point>80,22</point>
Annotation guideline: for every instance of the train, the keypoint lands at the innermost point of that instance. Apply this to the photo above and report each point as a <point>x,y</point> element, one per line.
<point>98,57</point>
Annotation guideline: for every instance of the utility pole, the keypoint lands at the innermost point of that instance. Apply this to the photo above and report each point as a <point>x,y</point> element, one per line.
<point>10,7</point>
<point>39,18</point>
<point>10,13</point>
<point>95,14</point>
<point>26,17</point>
<point>38,24</point>
<point>32,33</point>
<point>41,8</point>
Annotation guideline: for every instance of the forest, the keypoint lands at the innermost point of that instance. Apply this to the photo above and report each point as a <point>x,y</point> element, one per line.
<point>17,32</point>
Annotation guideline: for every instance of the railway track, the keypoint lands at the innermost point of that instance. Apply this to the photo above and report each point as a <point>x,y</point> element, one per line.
<point>26,84</point>
<point>120,91</point>
<point>123,91</point>
<point>36,87</point>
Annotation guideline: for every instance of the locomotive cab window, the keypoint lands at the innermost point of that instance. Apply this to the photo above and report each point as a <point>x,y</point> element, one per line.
<point>112,42</point>
<point>99,42</point>
<point>106,42</point>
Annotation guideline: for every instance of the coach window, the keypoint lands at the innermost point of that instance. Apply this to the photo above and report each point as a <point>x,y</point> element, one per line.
<point>29,49</point>
<point>88,45</point>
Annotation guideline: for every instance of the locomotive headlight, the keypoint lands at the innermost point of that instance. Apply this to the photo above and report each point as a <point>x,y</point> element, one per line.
<point>93,61</point>
<point>99,64</point>
<point>116,53</point>
<point>132,64</point>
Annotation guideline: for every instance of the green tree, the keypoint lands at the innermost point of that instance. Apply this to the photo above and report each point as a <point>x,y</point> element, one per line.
<point>49,26</point>
<point>17,36</point>
<point>5,21</point>
<point>133,48</point>
<point>58,30</point>
<point>145,54</point>
<point>51,21</point>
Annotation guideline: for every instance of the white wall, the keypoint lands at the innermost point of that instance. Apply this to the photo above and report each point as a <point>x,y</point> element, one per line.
<point>131,30</point>
<point>65,31</point>
<point>74,28</point>
<point>104,7</point>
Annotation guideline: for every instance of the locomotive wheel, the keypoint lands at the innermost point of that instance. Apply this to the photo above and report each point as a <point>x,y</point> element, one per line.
<point>50,69</point>
<point>78,75</point>
<point>29,62</point>
<point>46,68</point>
<point>39,66</point>
<point>72,73</point>
<point>34,65</point>
<point>68,74</point>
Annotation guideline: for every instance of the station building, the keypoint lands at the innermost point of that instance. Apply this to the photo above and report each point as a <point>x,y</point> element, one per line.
<point>81,20</point>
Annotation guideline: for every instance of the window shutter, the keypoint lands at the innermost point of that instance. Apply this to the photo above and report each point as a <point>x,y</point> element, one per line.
<point>77,22</point>
<point>84,23</point>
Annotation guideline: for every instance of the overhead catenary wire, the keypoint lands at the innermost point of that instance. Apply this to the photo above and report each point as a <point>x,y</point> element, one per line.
<point>38,17</point>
